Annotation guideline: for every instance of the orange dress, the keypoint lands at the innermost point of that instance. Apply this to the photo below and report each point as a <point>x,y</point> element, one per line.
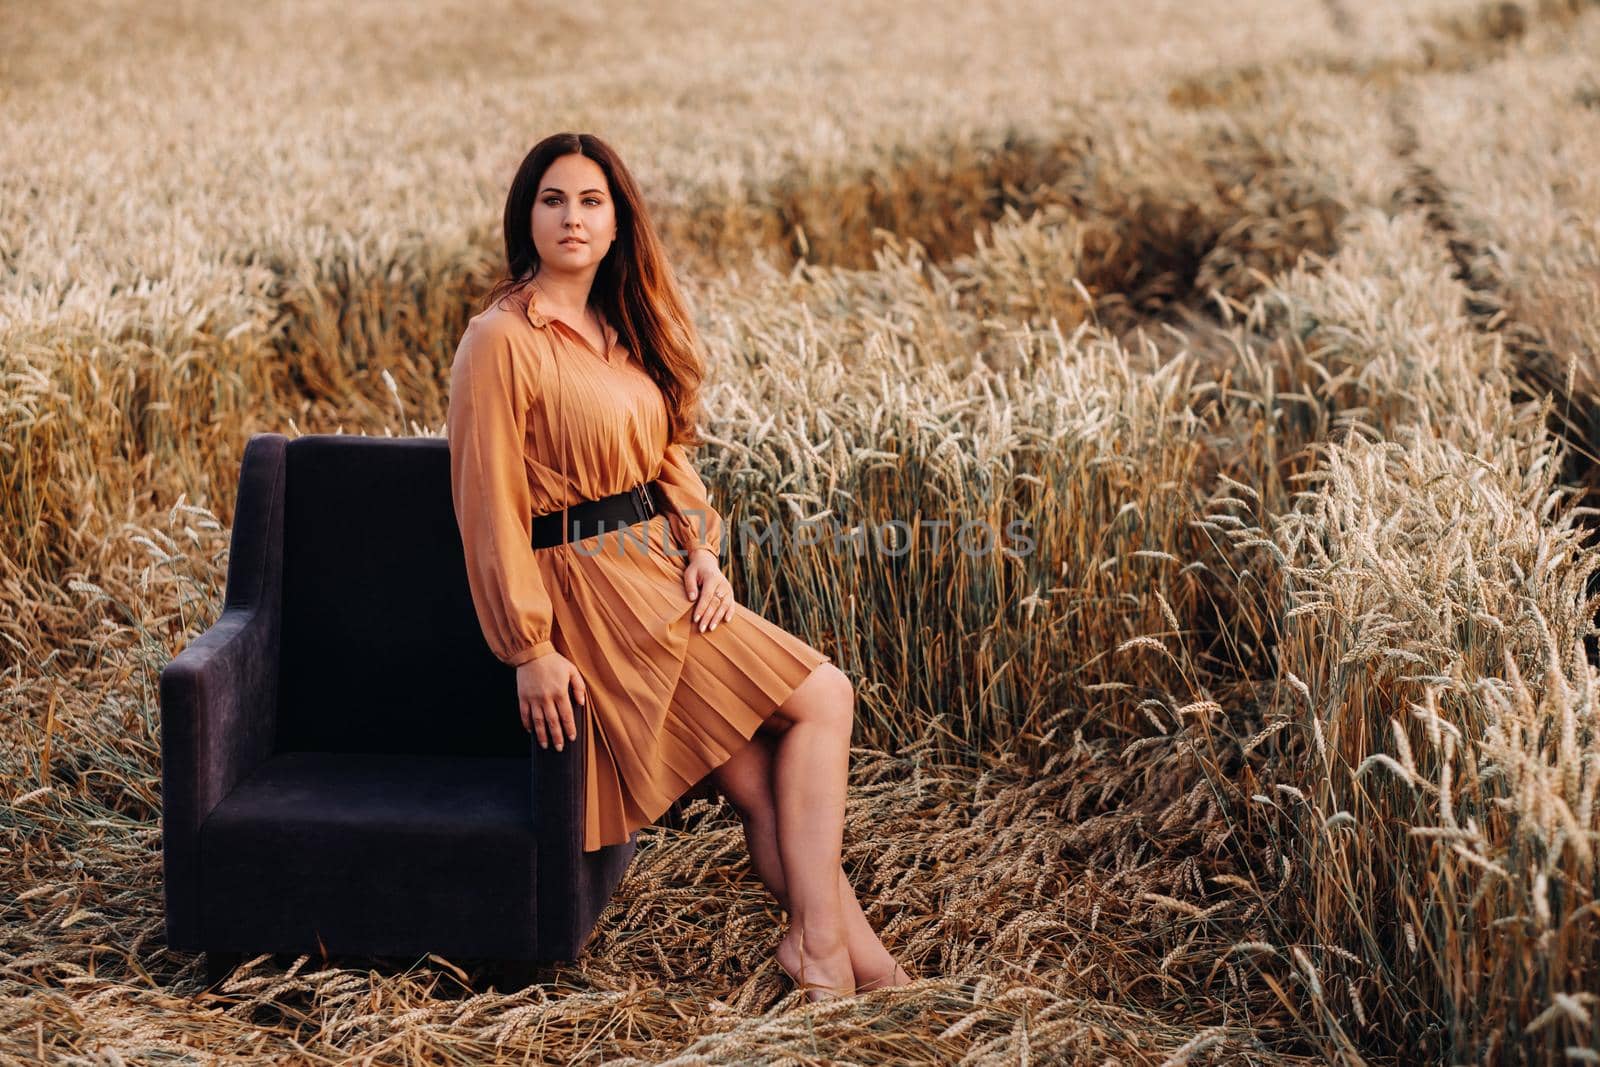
<point>667,703</point>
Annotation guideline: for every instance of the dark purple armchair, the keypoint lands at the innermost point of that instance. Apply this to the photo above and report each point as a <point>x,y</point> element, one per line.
<point>343,766</point>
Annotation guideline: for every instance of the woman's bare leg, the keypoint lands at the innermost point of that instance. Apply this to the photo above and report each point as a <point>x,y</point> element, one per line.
<point>809,773</point>
<point>829,922</point>
<point>746,780</point>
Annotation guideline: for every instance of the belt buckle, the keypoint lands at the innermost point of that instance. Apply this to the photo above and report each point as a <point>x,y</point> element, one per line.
<point>643,500</point>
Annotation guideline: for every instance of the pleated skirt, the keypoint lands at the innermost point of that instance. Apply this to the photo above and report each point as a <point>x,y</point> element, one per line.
<point>667,703</point>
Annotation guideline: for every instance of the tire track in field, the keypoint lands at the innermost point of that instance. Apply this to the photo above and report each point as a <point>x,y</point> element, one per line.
<point>1461,43</point>
<point>1538,369</point>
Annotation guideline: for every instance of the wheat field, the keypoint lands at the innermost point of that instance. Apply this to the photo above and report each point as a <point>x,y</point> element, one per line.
<point>1278,323</point>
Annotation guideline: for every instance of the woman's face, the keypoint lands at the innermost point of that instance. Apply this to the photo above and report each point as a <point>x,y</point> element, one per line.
<point>574,202</point>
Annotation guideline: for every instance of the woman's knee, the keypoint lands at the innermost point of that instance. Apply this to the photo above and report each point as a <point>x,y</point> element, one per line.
<point>826,696</point>
<point>842,694</point>
<point>843,688</point>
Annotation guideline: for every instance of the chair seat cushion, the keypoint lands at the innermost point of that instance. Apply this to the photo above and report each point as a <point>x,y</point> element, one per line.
<point>373,853</point>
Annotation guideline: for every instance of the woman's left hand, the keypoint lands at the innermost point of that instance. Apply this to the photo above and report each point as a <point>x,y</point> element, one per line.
<point>705,584</point>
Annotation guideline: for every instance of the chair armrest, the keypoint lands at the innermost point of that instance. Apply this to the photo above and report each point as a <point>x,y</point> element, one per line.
<point>219,695</point>
<point>218,711</point>
<point>559,781</point>
<point>574,885</point>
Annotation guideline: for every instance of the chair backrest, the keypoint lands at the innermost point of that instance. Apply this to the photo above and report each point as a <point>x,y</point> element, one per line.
<point>381,650</point>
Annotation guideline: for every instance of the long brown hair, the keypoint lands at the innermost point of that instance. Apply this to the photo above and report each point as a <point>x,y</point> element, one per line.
<point>633,287</point>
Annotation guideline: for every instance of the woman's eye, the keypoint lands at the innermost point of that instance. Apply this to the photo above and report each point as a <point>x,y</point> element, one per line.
<point>593,201</point>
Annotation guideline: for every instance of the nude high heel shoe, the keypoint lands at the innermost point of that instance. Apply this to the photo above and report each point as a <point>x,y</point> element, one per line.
<point>815,991</point>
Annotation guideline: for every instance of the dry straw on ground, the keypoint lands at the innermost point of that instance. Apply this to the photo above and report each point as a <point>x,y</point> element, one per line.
<point>1278,330</point>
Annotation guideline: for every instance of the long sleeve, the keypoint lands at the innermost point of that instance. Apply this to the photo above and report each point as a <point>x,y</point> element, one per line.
<point>490,394</point>
<point>692,519</point>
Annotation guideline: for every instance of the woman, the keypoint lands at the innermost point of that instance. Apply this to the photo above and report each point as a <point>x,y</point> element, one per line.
<point>572,395</point>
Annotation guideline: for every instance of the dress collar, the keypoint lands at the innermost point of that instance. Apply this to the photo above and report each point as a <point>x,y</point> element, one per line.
<point>542,321</point>
<point>535,316</point>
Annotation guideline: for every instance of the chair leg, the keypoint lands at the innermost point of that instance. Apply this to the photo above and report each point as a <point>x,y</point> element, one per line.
<point>220,964</point>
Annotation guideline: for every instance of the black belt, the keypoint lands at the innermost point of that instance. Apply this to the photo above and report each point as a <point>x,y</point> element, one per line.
<point>590,517</point>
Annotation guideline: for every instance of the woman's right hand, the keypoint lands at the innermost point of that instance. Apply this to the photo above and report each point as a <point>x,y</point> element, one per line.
<point>544,701</point>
